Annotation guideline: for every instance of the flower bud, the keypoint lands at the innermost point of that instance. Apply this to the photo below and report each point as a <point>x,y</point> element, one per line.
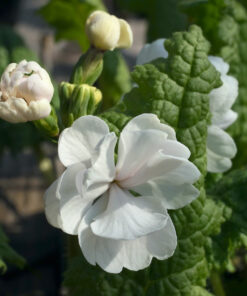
<point>77,101</point>
<point>108,32</point>
<point>25,92</point>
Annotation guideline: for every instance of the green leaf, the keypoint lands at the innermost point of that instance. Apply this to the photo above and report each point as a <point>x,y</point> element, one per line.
<point>114,80</point>
<point>69,18</point>
<point>84,279</point>
<point>230,190</point>
<point>8,255</point>
<point>224,23</point>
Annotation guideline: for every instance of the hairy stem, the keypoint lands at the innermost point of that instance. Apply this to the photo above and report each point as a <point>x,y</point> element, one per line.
<point>217,284</point>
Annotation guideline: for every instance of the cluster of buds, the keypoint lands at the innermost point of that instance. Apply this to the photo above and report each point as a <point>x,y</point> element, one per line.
<point>26,89</point>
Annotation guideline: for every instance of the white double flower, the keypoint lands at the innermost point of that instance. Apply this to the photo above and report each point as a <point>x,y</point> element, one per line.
<point>220,146</point>
<point>25,92</point>
<point>118,209</point>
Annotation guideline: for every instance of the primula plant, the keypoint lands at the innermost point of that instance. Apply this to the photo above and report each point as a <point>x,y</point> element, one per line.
<point>145,199</point>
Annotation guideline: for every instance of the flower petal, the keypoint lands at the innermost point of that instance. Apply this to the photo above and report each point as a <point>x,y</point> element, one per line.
<point>128,217</point>
<point>145,132</point>
<point>219,64</point>
<point>220,142</point>
<point>112,255</point>
<point>77,143</point>
<point>72,205</point>
<point>217,163</point>
<point>174,189</point>
<point>151,52</point>
<point>126,35</point>
<point>224,120</point>
<point>96,180</point>
<point>135,150</point>
<point>222,98</point>
<point>162,244</point>
<point>96,249</point>
<point>148,121</point>
<point>162,166</point>
<point>52,205</point>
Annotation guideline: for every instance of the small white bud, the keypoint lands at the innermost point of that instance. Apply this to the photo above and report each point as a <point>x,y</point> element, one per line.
<point>25,92</point>
<point>108,32</point>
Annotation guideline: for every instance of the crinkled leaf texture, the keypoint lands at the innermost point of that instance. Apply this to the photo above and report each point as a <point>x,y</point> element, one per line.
<point>8,255</point>
<point>230,190</point>
<point>176,90</point>
<point>224,23</point>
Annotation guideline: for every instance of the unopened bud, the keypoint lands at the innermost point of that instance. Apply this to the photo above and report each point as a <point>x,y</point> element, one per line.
<point>25,92</point>
<point>107,32</point>
<point>77,101</point>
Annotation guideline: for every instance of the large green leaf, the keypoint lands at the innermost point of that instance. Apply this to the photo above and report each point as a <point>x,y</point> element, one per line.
<point>68,17</point>
<point>177,91</point>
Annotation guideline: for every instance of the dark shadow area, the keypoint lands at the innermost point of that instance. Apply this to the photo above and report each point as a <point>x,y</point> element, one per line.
<point>41,246</point>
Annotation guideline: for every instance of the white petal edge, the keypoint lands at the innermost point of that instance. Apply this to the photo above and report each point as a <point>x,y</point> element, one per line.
<point>217,163</point>
<point>72,205</point>
<point>174,189</point>
<point>77,143</point>
<point>16,110</point>
<point>162,166</point>
<point>219,64</point>
<point>162,244</point>
<point>96,180</point>
<point>152,51</point>
<point>220,142</point>
<point>148,121</point>
<point>52,205</point>
<point>224,120</point>
<point>128,217</point>
<point>112,255</point>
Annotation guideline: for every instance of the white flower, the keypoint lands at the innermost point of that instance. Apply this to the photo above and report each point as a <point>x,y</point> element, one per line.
<point>107,32</point>
<point>119,211</point>
<point>25,92</point>
<point>220,146</point>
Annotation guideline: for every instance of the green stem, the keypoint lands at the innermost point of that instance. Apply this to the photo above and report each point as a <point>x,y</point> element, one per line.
<point>217,284</point>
